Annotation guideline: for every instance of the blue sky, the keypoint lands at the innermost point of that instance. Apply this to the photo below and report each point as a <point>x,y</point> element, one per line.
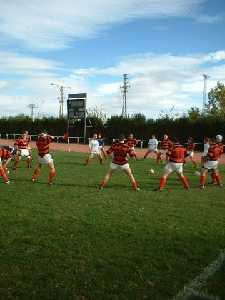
<point>164,45</point>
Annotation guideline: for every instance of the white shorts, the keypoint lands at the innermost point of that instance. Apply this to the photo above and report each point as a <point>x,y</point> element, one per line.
<point>46,159</point>
<point>190,154</point>
<point>211,165</point>
<point>116,167</point>
<point>24,152</point>
<point>173,167</point>
<point>151,149</point>
<point>93,154</point>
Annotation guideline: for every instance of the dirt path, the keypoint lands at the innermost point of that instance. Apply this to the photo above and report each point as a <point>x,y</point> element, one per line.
<point>84,149</point>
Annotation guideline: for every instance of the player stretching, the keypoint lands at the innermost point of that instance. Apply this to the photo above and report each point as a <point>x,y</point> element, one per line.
<point>23,150</point>
<point>94,150</point>
<point>132,142</point>
<point>101,145</point>
<point>44,158</point>
<point>152,146</point>
<point>165,145</point>
<point>211,164</point>
<point>190,151</point>
<point>176,156</point>
<point>4,157</point>
<point>120,152</point>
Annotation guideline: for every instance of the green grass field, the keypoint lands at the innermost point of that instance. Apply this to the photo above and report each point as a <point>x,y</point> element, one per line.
<point>72,241</point>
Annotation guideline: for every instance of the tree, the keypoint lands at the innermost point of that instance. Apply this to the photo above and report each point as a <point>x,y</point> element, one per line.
<point>216,103</point>
<point>194,113</point>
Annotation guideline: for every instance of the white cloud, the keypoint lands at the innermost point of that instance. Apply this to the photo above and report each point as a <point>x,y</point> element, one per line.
<point>158,82</point>
<point>54,24</point>
<point>206,19</point>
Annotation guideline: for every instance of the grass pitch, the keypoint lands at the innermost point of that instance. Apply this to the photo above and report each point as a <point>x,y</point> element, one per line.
<point>72,241</point>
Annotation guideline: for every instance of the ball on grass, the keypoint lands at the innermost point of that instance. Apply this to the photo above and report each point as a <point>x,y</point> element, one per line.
<point>197,173</point>
<point>152,171</point>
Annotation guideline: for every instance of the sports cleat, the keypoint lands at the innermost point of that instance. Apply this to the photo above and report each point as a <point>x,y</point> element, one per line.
<point>33,180</point>
<point>7,182</point>
<point>50,183</point>
<point>136,189</point>
<point>202,187</point>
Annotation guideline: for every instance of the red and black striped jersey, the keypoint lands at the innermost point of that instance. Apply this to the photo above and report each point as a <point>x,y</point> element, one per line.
<point>221,145</point>
<point>166,144</point>
<point>121,152</point>
<point>131,142</point>
<point>22,143</point>
<point>4,154</point>
<point>214,152</point>
<point>43,145</point>
<point>190,146</point>
<point>177,154</point>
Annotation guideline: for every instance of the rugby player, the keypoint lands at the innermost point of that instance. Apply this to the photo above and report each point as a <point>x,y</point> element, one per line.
<point>210,164</point>
<point>94,150</point>
<point>152,146</point>
<point>176,157</point>
<point>165,145</point>
<point>23,150</point>
<point>120,152</point>
<point>190,150</point>
<point>5,155</point>
<point>44,157</point>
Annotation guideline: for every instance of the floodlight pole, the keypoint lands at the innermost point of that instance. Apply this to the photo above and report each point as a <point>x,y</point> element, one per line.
<point>32,107</point>
<point>124,90</point>
<point>205,78</point>
<point>61,98</point>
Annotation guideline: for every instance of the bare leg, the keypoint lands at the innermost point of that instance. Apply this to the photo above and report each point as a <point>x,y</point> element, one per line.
<point>52,173</point>
<point>106,179</point>
<point>202,177</point>
<point>36,173</point>
<point>3,175</point>
<point>16,163</point>
<point>132,179</point>
<point>183,180</point>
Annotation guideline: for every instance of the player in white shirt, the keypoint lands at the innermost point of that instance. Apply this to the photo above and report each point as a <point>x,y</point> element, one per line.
<point>94,150</point>
<point>152,146</point>
<point>205,150</point>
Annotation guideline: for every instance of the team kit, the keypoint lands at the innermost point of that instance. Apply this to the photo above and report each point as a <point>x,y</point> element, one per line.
<point>122,149</point>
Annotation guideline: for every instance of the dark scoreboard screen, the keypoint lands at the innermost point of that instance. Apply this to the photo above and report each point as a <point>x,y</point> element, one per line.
<point>76,106</point>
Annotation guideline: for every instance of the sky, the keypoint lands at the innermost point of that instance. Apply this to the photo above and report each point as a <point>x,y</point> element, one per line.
<point>165,46</point>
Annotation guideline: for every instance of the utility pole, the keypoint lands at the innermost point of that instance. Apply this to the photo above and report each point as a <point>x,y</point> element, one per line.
<point>205,78</point>
<point>32,107</point>
<point>61,97</point>
<point>124,90</point>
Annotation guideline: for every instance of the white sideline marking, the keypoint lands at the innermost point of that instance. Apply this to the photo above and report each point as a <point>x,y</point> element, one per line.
<point>196,284</point>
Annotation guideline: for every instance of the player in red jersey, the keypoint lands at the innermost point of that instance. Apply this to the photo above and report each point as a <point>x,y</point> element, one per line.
<point>211,164</point>
<point>165,145</point>
<point>44,157</point>
<point>23,150</point>
<point>120,152</point>
<point>5,155</point>
<point>219,142</point>
<point>132,142</point>
<point>190,150</point>
<point>176,156</point>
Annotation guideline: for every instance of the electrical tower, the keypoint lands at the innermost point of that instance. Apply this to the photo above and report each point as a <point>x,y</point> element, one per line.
<point>124,90</point>
<point>32,107</point>
<point>205,78</point>
<point>61,97</point>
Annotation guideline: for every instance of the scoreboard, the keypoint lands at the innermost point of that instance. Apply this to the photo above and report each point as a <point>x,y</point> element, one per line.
<point>76,107</point>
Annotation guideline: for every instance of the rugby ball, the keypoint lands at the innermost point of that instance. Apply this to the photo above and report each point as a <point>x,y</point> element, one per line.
<point>151,171</point>
<point>197,173</point>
